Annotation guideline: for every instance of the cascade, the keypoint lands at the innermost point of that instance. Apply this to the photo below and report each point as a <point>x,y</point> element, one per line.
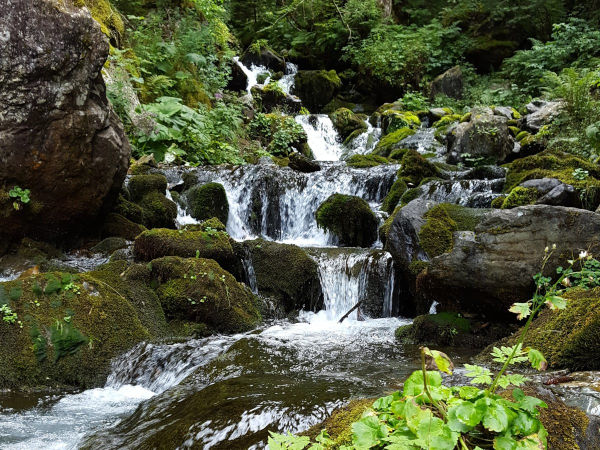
<point>323,138</point>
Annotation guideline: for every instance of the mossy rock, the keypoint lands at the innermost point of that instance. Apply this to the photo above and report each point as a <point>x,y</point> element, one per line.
<point>141,185</point>
<point>199,290</point>
<point>410,195</point>
<point>159,211</point>
<point>110,20</point>
<point>392,141</point>
<point>448,120</point>
<point>520,196</point>
<point>569,338</point>
<point>387,224</point>
<point>129,210</point>
<point>398,154</point>
<point>396,120</point>
<point>347,122</point>
<point>559,165</point>
<point>316,88</point>
<point>109,245</point>
<point>161,242</point>
<point>436,236</point>
<point>350,219</point>
<point>365,161</point>
<point>415,168</point>
<point>119,226</point>
<point>73,326</point>
<point>498,202</point>
<point>207,201</point>
<point>286,274</point>
<point>339,424</point>
<point>393,198</point>
<point>210,225</point>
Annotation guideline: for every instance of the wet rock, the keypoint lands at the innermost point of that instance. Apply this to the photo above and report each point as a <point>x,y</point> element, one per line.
<point>199,290</point>
<point>59,136</point>
<point>271,97</point>
<point>239,80</point>
<point>450,84</point>
<point>541,113</point>
<point>264,57</point>
<point>286,274</point>
<point>347,122</point>
<point>119,226</point>
<point>301,163</point>
<point>561,195</point>
<point>488,270</point>
<point>316,88</point>
<point>350,219</point>
<point>109,245</point>
<point>485,173</point>
<point>207,201</point>
<point>542,185</point>
<point>485,136</point>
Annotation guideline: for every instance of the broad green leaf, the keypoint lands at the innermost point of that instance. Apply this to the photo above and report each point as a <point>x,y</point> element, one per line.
<point>495,417</point>
<point>454,424</point>
<point>522,310</point>
<point>402,441</point>
<point>533,442</point>
<point>415,415</point>
<point>525,425</point>
<point>368,432</point>
<point>413,386</point>
<point>397,408</point>
<point>469,392</point>
<point>504,443</point>
<point>383,403</point>
<point>441,360</point>
<point>528,403</point>
<point>287,442</point>
<point>469,414</point>
<point>555,302</point>
<point>435,434</point>
<point>537,359</point>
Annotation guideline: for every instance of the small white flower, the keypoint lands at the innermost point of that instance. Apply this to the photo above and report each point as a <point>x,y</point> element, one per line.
<point>583,254</point>
<point>546,249</point>
<point>553,246</point>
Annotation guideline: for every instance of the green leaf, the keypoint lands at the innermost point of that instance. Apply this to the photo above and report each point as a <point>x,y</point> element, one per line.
<point>469,392</point>
<point>555,302</point>
<point>287,442</point>
<point>435,434</point>
<point>442,361</point>
<point>525,425</point>
<point>456,425</point>
<point>522,310</point>
<point>480,375</point>
<point>505,443</point>
<point>469,414</point>
<point>397,408</point>
<point>383,403</point>
<point>415,415</point>
<point>528,403</point>
<point>368,432</point>
<point>413,386</point>
<point>537,360</point>
<point>495,417</point>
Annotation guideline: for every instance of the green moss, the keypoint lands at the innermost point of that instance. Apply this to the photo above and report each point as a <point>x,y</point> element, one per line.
<point>522,135</point>
<point>199,290</point>
<point>347,122</point>
<point>349,218</point>
<point>520,196</point>
<point>393,198</point>
<point>141,185</point>
<point>316,88</point>
<point>129,210</point>
<point>410,195</point>
<point>385,228</point>
<point>159,242</point>
<point>364,161</point>
<point>71,334</point>
<point>158,211</point>
<point>109,18</point>
<point>398,154</point>
<point>466,117</point>
<point>209,200</point>
<point>466,219</point>
<point>339,424</point>
<point>436,234</point>
<point>447,120</point>
<point>117,225</point>
<point>286,274</point>
<point>416,267</point>
<point>391,141</point>
<point>514,131</point>
<point>397,120</point>
<point>498,201</point>
<point>415,168</point>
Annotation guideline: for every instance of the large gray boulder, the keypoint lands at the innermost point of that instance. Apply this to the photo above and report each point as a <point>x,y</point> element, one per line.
<point>541,113</point>
<point>493,267</point>
<point>59,136</point>
<point>485,136</point>
<point>450,84</point>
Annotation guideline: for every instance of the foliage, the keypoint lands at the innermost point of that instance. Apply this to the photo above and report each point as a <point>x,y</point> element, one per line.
<point>429,415</point>
<point>404,56</point>
<point>200,136</point>
<point>279,134</point>
<point>574,42</point>
<point>21,196</point>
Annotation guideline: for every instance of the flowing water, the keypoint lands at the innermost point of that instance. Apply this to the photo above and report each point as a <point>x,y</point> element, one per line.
<point>228,392</point>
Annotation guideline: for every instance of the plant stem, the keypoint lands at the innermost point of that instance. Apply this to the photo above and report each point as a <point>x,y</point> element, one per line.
<point>441,410</point>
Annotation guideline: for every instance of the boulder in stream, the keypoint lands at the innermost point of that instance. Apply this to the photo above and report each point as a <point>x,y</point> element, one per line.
<point>489,269</point>
<point>316,88</point>
<point>207,201</point>
<point>60,139</point>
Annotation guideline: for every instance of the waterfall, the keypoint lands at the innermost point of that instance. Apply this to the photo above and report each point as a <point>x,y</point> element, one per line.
<point>365,142</point>
<point>351,275</point>
<point>287,81</point>
<point>323,138</point>
<point>280,204</point>
<point>252,73</point>
<point>471,193</point>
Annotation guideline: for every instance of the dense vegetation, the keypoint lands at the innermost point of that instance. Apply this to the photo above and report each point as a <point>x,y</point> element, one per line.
<point>176,57</point>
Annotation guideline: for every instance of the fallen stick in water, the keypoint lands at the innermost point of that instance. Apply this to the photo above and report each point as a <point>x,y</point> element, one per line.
<point>345,316</point>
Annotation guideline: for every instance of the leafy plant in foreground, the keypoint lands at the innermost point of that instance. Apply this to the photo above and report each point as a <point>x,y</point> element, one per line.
<point>429,415</point>
<point>21,196</point>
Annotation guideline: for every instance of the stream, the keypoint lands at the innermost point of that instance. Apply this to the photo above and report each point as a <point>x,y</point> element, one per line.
<point>228,392</point>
